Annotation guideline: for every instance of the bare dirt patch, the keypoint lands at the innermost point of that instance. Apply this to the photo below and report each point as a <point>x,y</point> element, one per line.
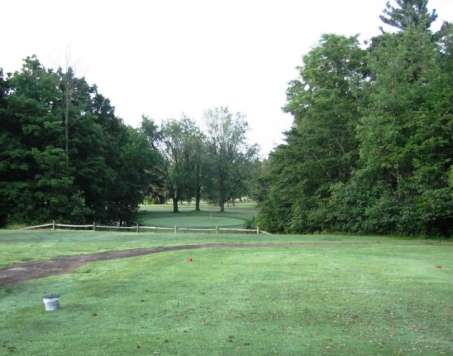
<point>31,270</point>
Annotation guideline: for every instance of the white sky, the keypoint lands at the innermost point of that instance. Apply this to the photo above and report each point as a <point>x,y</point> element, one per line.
<point>165,57</point>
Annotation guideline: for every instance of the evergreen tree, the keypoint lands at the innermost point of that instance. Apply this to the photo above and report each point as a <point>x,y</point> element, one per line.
<point>409,13</point>
<point>34,177</point>
<point>67,170</point>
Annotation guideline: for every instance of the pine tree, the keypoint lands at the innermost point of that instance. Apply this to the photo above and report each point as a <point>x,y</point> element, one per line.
<point>408,13</point>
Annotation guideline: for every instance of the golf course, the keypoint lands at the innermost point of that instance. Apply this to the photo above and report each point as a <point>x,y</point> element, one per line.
<point>223,294</point>
<point>226,178</point>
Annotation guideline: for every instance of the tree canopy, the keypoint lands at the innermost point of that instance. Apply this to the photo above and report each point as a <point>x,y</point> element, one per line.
<point>371,146</point>
<point>67,156</point>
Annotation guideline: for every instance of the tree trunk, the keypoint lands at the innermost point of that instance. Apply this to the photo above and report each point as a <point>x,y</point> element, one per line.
<point>197,200</point>
<point>222,194</point>
<point>175,205</point>
<point>198,190</point>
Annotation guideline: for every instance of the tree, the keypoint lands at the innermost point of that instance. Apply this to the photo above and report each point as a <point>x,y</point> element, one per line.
<point>406,142</point>
<point>450,181</point>
<point>196,163</point>
<point>137,161</point>
<point>179,149</point>
<point>4,203</point>
<point>154,137</point>
<point>228,154</point>
<point>409,13</point>
<point>111,164</point>
<point>34,176</point>
<point>321,148</point>
<point>151,131</point>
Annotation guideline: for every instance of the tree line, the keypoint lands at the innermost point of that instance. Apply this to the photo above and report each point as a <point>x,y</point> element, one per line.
<point>65,155</point>
<point>371,146</point>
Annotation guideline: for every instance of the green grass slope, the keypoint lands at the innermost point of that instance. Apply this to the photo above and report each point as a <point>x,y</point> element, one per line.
<point>336,295</point>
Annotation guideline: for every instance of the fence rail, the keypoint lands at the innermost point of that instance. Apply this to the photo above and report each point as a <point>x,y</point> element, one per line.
<point>142,228</point>
<point>43,226</point>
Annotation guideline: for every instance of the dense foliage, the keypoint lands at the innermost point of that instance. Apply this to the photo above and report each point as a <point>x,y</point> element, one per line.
<point>371,147</point>
<point>218,166</point>
<point>64,154</point>
<point>232,162</point>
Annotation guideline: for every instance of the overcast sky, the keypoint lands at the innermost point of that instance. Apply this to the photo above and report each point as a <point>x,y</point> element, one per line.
<point>163,58</point>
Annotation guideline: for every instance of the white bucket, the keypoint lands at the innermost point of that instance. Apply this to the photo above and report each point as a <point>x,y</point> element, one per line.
<point>51,303</point>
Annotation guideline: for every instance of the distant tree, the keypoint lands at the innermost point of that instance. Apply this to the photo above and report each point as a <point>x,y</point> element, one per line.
<point>178,147</point>
<point>196,163</point>
<point>229,154</point>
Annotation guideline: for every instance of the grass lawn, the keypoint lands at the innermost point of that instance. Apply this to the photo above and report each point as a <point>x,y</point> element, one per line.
<point>209,216</point>
<point>336,295</point>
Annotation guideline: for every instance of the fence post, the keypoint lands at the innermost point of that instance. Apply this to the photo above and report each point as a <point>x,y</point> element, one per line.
<point>137,227</point>
<point>53,224</point>
<point>257,230</point>
<point>94,225</point>
<point>175,229</point>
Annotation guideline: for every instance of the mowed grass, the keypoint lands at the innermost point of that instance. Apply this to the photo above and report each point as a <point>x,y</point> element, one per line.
<point>337,295</point>
<point>208,217</point>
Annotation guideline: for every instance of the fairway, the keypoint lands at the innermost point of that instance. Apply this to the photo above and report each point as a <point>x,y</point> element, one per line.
<point>208,217</point>
<point>316,295</point>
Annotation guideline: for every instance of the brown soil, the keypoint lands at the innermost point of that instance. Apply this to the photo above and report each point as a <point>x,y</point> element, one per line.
<point>30,270</point>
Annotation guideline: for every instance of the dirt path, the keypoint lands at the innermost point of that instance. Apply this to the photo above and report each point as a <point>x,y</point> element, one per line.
<point>30,270</point>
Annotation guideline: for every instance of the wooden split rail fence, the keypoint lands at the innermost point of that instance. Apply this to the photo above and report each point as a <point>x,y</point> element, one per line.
<point>142,228</point>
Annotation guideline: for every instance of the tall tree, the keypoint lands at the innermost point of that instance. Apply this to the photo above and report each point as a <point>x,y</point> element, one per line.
<point>196,163</point>
<point>409,13</point>
<point>35,176</point>
<point>37,182</point>
<point>228,149</point>
<point>177,142</point>
<point>154,138</point>
<point>321,148</point>
<point>406,141</point>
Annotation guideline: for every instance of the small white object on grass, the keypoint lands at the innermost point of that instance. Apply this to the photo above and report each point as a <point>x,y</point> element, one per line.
<point>51,302</point>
